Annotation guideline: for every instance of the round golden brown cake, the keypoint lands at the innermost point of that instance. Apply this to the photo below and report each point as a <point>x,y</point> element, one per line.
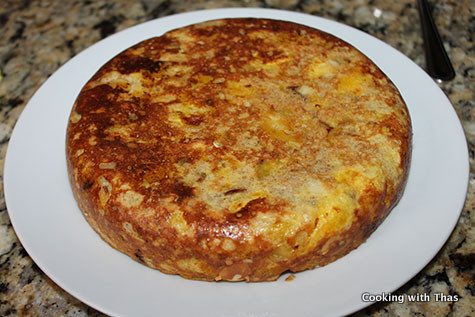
<point>238,149</point>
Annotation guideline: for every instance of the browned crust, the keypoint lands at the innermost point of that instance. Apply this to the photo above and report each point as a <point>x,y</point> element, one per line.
<point>151,239</point>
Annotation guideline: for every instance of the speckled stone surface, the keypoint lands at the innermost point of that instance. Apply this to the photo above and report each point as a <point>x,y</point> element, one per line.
<point>37,37</point>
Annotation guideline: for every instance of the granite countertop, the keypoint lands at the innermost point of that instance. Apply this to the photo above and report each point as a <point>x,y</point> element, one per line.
<point>37,37</point>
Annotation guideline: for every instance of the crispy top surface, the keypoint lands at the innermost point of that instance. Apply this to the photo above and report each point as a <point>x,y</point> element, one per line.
<point>239,128</point>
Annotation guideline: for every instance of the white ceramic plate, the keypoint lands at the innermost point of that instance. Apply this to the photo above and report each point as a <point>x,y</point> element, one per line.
<point>55,234</point>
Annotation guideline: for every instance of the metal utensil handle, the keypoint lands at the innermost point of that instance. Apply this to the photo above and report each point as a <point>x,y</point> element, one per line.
<point>437,62</point>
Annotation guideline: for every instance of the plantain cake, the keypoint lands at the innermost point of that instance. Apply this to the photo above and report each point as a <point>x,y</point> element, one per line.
<point>238,149</point>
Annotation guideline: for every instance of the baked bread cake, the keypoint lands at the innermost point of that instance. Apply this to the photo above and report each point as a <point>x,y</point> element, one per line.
<point>238,149</point>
